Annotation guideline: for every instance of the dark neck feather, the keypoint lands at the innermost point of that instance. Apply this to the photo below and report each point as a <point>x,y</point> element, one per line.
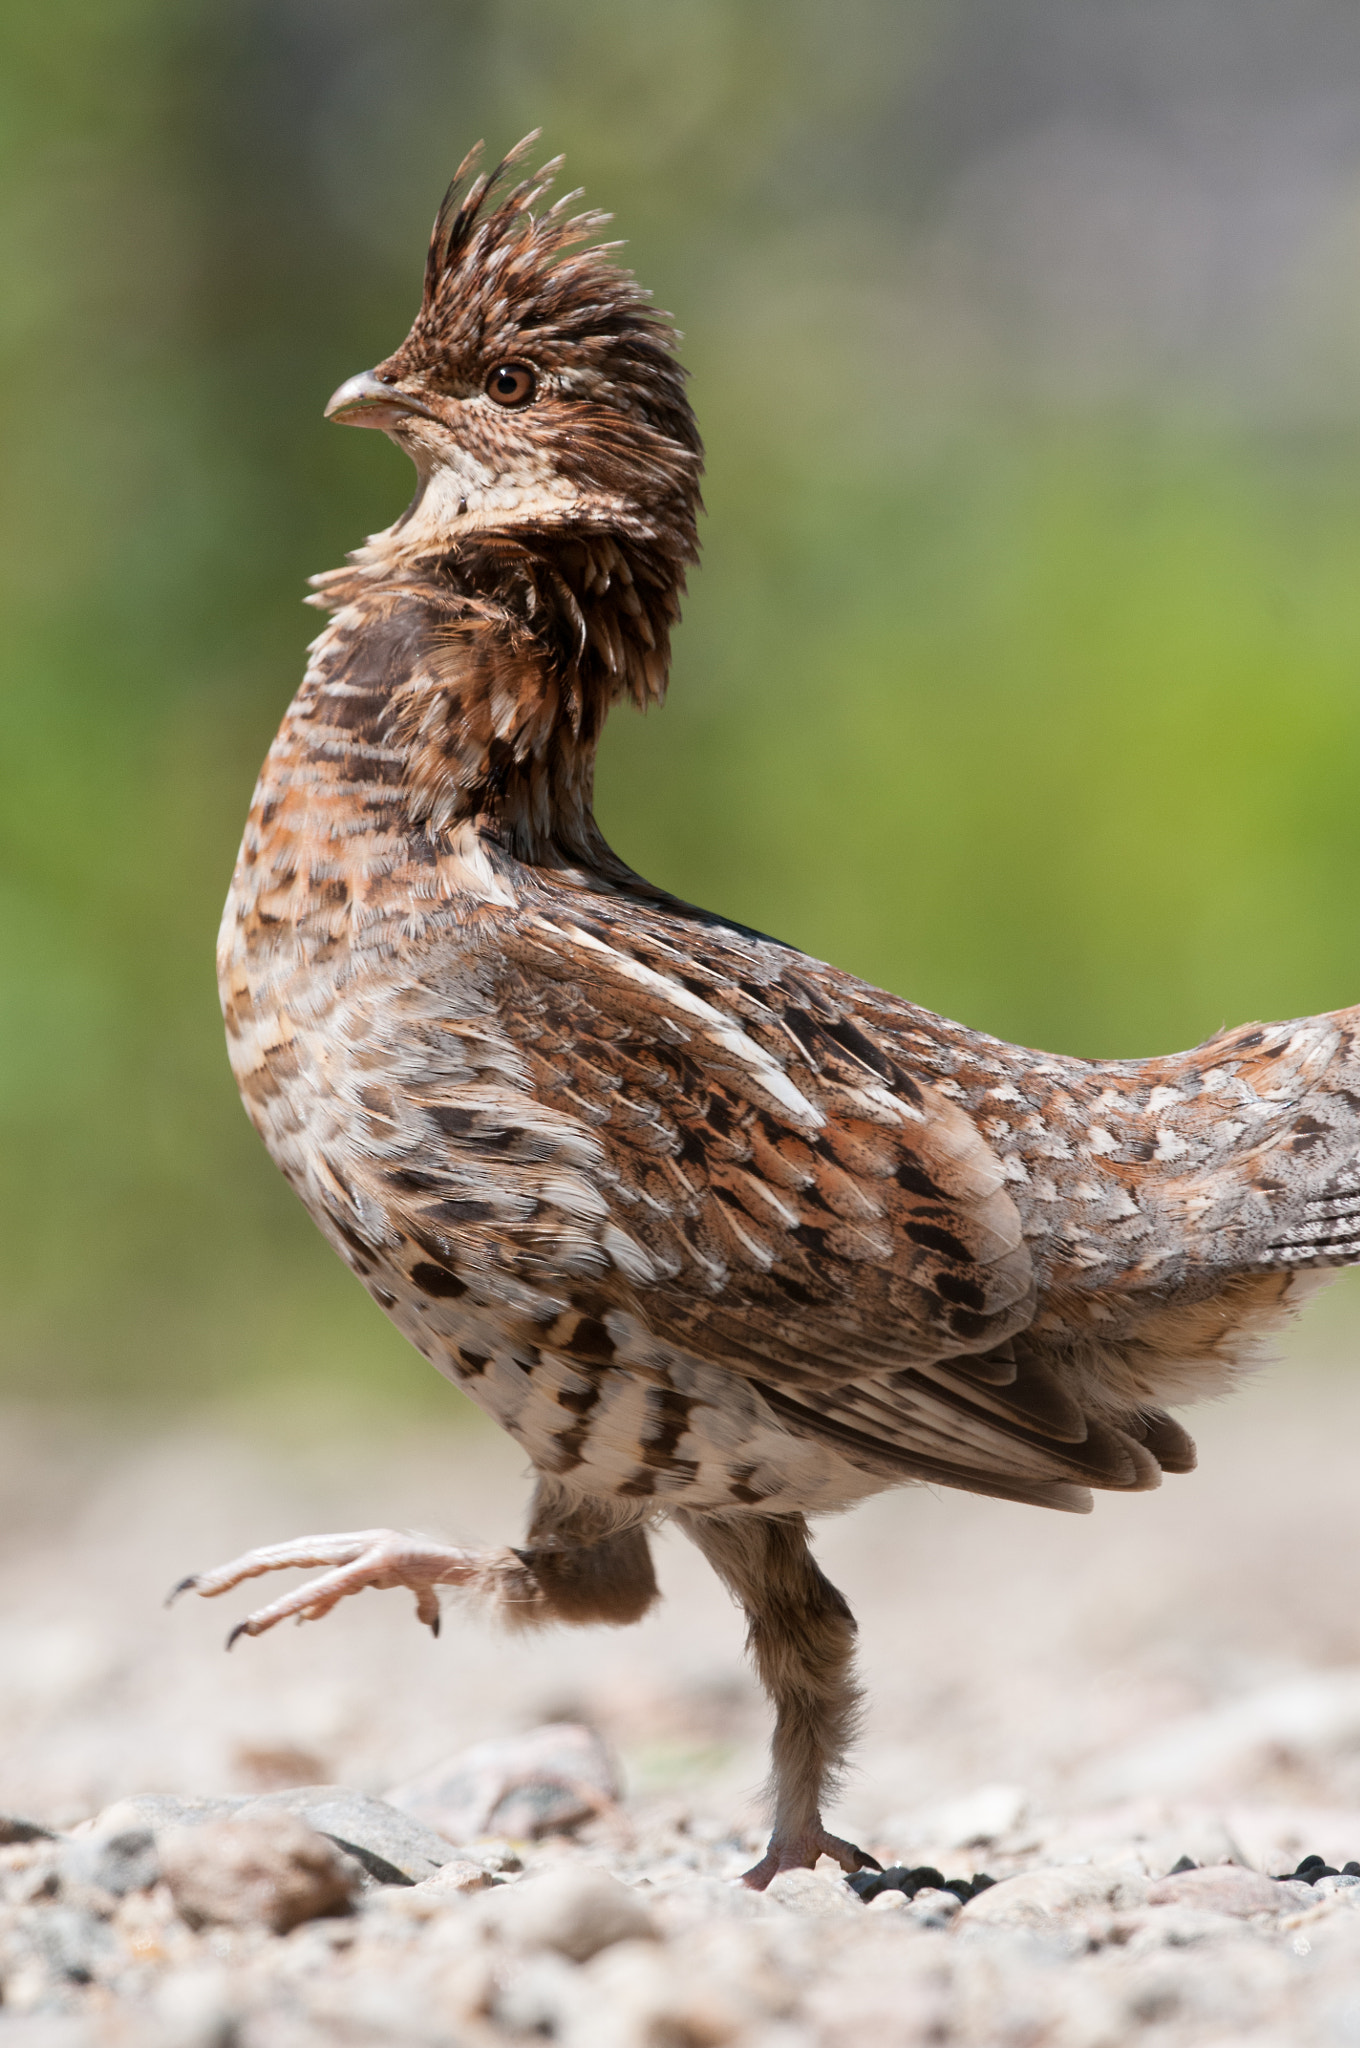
<point>482,678</point>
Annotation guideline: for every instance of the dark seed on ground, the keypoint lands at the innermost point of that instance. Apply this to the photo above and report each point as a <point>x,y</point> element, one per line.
<point>870,1884</point>
<point>1314,1867</point>
<point>1186,1863</point>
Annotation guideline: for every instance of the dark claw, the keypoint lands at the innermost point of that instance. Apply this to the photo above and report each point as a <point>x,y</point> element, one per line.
<point>434,1625</point>
<point>242,1628</point>
<point>184,1586</point>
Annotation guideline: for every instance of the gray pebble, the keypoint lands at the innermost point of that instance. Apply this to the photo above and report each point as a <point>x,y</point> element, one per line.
<point>65,1944</point>
<point>116,1861</point>
<point>393,1847</point>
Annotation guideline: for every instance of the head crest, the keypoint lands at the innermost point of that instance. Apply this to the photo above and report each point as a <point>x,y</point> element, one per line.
<point>503,277</point>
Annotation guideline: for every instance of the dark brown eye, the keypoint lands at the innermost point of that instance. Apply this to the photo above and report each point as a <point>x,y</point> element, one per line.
<point>511,384</point>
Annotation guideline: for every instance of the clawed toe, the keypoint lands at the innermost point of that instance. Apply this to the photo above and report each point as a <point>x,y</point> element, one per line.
<point>372,1557</point>
<point>801,1852</point>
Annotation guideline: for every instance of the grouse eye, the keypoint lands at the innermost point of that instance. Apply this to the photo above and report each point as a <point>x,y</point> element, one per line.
<point>511,384</point>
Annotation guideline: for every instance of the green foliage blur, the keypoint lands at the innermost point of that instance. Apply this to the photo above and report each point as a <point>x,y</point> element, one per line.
<point>1040,704</point>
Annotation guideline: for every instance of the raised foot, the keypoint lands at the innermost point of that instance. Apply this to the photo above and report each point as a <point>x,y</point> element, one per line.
<point>800,1852</point>
<point>367,1557</point>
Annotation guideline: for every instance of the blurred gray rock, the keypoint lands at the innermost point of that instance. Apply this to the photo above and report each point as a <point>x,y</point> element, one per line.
<point>392,1846</point>
<point>545,1782</point>
<point>575,1913</point>
<point>260,1870</point>
<point>55,1944</point>
<point>1042,1898</point>
<point>114,1861</point>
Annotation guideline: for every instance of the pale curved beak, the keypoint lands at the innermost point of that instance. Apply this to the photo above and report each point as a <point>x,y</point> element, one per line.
<point>365,401</point>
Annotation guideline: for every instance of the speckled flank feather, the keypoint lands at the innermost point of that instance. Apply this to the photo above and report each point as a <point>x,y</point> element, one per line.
<point>709,1226</point>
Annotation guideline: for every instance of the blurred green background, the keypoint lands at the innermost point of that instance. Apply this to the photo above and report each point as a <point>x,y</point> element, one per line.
<point>1022,672</point>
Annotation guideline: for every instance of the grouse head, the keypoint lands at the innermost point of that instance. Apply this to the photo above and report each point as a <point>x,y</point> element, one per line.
<point>538,392</point>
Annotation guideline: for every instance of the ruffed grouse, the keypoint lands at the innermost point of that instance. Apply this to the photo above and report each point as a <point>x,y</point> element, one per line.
<point>718,1233</point>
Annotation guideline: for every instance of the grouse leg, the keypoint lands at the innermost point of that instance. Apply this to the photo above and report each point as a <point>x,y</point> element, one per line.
<point>801,1637</point>
<point>583,1562</point>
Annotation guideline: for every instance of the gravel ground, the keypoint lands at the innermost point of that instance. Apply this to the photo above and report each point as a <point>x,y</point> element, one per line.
<point>1072,1707</point>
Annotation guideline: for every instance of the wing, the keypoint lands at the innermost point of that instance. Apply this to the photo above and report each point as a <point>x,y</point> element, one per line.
<point>763,1182</point>
<point>794,1199</point>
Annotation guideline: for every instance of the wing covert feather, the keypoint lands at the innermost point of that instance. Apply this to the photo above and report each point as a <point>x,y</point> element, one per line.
<point>807,1207</point>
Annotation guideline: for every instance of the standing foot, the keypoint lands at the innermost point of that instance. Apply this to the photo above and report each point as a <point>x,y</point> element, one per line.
<point>369,1557</point>
<point>800,1852</point>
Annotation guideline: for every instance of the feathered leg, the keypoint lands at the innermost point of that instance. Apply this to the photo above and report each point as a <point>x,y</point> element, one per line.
<point>801,1638</point>
<point>584,1561</point>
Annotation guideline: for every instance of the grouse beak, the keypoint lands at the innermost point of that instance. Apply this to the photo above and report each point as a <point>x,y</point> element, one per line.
<point>365,401</point>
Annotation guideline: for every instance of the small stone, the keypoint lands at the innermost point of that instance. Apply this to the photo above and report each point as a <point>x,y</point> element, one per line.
<point>30,1871</point>
<point>457,1875</point>
<point>116,1861</point>
<point>71,1943</point>
<point>12,1829</point>
<point>574,1912</point>
<point>888,1902</point>
<point>500,1858</point>
<point>1041,1898</point>
<point>815,1893</point>
<point>263,1870</point>
<point>1225,1888</point>
<point>548,1781</point>
<point>392,1847</point>
<point>433,1896</point>
<point>932,1908</point>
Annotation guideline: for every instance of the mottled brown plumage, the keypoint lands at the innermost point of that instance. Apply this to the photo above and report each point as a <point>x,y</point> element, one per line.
<point>717,1232</point>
